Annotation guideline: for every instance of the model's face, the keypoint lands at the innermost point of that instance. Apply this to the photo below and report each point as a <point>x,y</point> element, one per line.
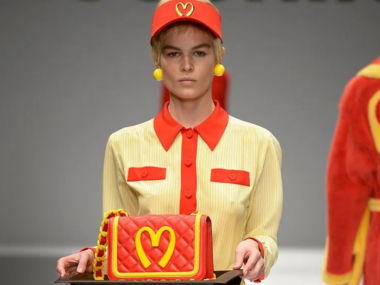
<point>187,62</point>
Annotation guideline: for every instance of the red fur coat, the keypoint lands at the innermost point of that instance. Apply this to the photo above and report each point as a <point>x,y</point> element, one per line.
<point>353,184</point>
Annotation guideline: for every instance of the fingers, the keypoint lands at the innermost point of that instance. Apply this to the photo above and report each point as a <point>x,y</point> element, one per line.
<point>90,262</point>
<point>239,258</point>
<point>78,262</point>
<point>251,263</point>
<point>257,271</point>
<point>90,265</point>
<point>85,262</point>
<point>82,263</point>
<point>65,264</point>
<point>61,267</point>
<point>72,270</point>
<point>254,267</point>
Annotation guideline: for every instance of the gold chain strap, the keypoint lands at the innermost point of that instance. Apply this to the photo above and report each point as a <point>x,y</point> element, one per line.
<point>102,242</point>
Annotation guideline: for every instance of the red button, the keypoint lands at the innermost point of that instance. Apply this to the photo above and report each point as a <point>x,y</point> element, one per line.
<point>188,162</point>
<point>188,194</point>
<point>189,134</point>
<point>232,176</point>
<point>144,173</point>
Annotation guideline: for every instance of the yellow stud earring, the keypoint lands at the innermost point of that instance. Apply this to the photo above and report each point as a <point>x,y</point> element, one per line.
<point>219,69</point>
<point>157,74</point>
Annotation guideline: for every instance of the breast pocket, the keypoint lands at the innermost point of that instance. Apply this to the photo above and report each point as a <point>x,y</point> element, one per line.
<point>240,177</point>
<point>146,173</point>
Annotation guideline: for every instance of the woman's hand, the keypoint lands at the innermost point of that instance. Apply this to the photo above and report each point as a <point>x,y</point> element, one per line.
<point>79,262</point>
<point>248,252</point>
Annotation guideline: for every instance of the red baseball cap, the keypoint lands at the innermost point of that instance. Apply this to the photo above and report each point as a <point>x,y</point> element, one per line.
<point>188,10</point>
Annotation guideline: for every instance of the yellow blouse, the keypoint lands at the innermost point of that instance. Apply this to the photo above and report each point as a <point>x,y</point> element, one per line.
<point>228,169</point>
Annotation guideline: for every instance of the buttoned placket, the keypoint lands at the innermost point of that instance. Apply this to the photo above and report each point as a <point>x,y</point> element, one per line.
<point>188,202</point>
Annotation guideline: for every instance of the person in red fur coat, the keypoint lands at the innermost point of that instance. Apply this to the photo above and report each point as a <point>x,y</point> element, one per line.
<point>220,88</point>
<point>353,185</point>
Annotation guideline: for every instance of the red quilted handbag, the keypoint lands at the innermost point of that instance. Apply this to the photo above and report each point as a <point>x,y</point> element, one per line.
<point>155,247</point>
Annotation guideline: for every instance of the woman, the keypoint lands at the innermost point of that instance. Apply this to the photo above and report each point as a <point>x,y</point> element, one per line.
<point>193,155</point>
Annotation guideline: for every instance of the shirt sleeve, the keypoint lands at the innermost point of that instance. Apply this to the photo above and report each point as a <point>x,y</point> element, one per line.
<point>116,193</point>
<point>266,205</point>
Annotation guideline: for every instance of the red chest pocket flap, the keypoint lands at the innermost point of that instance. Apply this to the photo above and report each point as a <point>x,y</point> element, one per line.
<point>240,177</point>
<point>146,173</point>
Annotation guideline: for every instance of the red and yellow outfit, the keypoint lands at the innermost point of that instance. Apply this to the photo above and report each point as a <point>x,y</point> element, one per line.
<point>224,167</point>
<point>353,184</point>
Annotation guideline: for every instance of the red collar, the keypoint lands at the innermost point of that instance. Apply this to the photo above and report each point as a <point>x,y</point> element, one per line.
<point>211,130</point>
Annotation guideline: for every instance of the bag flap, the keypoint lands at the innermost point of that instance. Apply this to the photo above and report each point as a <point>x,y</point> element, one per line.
<point>155,246</point>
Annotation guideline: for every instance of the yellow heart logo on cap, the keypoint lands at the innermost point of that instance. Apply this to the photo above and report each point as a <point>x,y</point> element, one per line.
<point>184,7</point>
<point>155,237</point>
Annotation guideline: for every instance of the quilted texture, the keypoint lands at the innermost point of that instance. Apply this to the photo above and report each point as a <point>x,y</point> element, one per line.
<point>178,232</point>
<point>183,255</point>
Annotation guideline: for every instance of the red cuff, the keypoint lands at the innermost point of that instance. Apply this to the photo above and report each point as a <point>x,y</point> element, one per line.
<point>261,249</point>
<point>92,248</point>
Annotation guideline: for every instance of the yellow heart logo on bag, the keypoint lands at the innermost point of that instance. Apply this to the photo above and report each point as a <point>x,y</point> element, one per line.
<point>184,8</point>
<point>155,237</point>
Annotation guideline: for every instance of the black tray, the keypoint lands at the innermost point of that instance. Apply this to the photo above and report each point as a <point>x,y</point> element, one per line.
<point>222,277</point>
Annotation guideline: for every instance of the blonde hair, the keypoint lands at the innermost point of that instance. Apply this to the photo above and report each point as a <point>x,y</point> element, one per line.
<point>179,27</point>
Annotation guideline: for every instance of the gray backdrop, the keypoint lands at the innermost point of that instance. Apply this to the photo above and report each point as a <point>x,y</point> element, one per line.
<point>72,72</point>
